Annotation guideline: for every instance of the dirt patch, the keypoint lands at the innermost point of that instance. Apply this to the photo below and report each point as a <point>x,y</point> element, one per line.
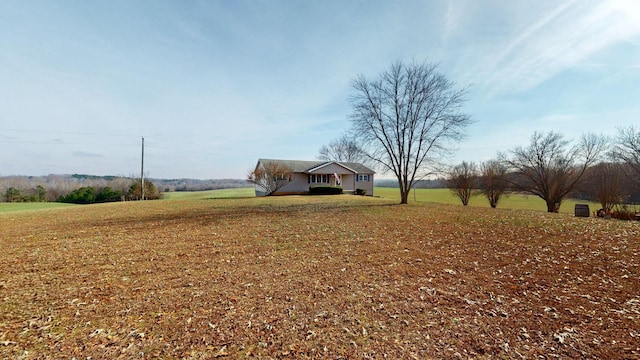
<point>316,277</point>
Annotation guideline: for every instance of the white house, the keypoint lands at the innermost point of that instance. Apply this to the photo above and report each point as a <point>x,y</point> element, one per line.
<point>306,174</point>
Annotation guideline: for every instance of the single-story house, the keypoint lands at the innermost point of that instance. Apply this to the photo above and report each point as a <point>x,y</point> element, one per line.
<point>306,174</point>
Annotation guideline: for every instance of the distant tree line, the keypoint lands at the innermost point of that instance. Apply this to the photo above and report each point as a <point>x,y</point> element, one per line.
<point>53,187</point>
<point>79,188</point>
<point>169,185</point>
<point>596,168</point>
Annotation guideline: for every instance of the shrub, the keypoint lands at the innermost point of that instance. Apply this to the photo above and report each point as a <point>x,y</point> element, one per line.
<point>150,191</point>
<point>325,190</point>
<point>89,195</point>
<point>108,195</point>
<point>13,195</point>
<point>362,192</point>
<point>624,212</point>
<point>84,195</point>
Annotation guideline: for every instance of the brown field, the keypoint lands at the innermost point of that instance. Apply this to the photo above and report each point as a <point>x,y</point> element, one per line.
<point>316,277</point>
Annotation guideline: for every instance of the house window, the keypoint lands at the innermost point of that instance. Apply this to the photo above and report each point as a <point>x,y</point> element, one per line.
<point>318,178</point>
<point>362,177</point>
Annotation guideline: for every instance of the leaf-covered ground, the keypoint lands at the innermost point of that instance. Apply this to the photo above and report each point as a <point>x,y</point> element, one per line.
<point>316,277</point>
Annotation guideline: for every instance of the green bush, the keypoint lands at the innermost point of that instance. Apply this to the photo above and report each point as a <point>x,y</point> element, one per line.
<point>361,192</point>
<point>89,195</point>
<point>325,190</point>
<point>84,195</point>
<point>108,195</point>
<point>13,195</point>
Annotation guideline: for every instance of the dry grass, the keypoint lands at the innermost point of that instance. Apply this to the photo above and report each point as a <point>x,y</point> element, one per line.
<point>316,277</point>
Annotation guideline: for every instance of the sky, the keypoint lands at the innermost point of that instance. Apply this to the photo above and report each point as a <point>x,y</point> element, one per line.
<point>212,86</point>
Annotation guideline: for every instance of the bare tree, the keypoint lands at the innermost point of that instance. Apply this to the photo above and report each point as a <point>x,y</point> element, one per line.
<point>343,149</point>
<point>270,176</point>
<point>604,184</point>
<point>627,150</point>
<point>493,181</point>
<point>408,120</point>
<point>123,185</point>
<point>550,170</point>
<point>462,180</point>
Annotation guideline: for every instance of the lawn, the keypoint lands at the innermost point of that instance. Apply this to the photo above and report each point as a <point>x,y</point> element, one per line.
<point>316,277</point>
<point>439,196</point>
<point>511,201</point>
<point>210,194</point>
<point>31,206</point>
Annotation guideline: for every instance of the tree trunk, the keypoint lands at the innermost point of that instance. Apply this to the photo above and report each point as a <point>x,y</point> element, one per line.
<point>553,206</point>
<point>404,196</point>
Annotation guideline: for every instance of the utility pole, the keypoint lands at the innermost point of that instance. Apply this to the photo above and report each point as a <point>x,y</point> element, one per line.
<point>142,172</point>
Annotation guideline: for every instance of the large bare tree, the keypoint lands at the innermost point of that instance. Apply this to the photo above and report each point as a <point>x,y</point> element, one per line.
<point>462,180</point>
<point>342,149</point>
<point>627,150</point>
<point>408,120</point>
<point>549,168</point>
<point>270,176</point>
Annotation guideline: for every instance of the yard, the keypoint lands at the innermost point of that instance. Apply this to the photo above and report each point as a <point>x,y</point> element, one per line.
<point>316,277</point>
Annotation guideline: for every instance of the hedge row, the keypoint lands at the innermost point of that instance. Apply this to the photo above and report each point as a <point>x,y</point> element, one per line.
<point>325,190</point>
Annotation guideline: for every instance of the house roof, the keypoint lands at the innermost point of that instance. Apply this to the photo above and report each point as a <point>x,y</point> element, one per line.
<point>303,166</point>
<point>316,168</point>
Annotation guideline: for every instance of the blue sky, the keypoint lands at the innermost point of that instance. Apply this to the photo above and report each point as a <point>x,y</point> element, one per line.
<point>215,85</point>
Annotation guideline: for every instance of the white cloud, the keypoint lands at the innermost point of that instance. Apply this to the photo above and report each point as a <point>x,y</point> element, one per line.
<point>553,41</point>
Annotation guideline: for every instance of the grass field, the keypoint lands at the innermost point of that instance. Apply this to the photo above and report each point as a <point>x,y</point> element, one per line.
<point>439,196</point>
<point>211,194</point>
<point>31,206</point>
<point>316,277</point>
<point>512,201</point>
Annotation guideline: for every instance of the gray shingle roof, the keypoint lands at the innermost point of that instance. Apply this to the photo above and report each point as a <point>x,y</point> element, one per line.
<point>301,166</point>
